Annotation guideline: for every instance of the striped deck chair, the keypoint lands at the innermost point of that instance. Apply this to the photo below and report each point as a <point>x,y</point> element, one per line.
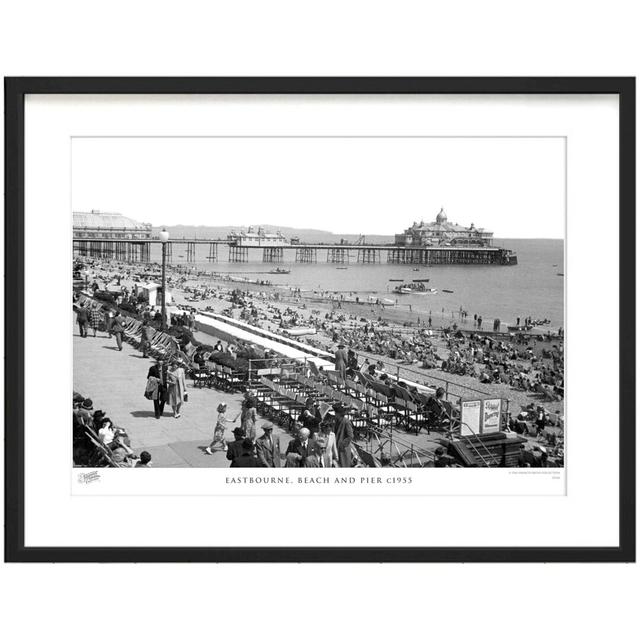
<point>313,368</point>
<point>103,451</point>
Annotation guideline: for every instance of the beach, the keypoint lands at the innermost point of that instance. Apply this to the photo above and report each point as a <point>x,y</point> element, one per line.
<point>203,290</point>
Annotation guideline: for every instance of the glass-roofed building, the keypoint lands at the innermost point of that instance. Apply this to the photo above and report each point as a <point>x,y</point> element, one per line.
<point>99,224</point>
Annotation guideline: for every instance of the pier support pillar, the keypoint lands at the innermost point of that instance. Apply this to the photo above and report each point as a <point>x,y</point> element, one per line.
<point>238,254</point>
<point>191,251</point>
<point>213,252</point>
<point>306,255</point>
<point>273,254</point>
<point>338,255</point>
<point>369,256</point>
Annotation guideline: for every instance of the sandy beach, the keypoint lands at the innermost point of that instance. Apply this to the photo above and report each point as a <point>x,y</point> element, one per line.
<point>213,292</point>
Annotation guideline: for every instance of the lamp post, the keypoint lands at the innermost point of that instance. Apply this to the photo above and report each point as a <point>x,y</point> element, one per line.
<point>164,238</point>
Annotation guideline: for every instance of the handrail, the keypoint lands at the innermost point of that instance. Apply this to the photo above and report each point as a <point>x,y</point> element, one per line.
<point>475,435</point>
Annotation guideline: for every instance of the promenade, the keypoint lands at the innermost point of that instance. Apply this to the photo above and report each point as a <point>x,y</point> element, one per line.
<point>115,381</point>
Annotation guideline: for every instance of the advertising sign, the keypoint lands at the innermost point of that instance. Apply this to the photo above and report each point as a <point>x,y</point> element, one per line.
<point>470,417</point>
<point>491,415</point>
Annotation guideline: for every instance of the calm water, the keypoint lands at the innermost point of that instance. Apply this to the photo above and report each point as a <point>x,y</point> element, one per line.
<point>532,288</point>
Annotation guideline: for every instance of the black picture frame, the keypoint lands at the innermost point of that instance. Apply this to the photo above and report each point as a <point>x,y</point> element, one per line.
<point>15,91</point>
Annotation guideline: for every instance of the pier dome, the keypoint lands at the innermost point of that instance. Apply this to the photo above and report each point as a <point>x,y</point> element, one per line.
<point>441,218</point>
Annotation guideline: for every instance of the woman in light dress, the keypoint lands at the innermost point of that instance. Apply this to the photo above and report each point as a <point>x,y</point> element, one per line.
<point>249,417</point>
<point>176,387</point>
<point>218,432</point>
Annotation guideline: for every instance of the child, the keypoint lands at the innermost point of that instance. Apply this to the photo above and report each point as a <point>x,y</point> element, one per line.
<point>218,432</point>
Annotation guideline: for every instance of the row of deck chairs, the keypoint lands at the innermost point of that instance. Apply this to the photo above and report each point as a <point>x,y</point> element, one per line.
<point>101,455</point>
<point>285,399</point>
<point>410,409</point>
<point>212,374</point>
<point>162,345</point>
<point>102,451</point>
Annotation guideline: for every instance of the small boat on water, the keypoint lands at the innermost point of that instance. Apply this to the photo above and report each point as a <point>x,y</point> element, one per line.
<point>447,291</point>
<point>560,274</point>
<point>342,268</point>
<point>421,280</point>
<point>414,287</point>
<point>416,269</point>
<point>396,280</point>
<point>387,303</point>
<point>280,271</point>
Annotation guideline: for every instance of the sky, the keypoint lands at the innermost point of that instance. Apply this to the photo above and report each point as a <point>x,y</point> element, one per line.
<point>514,187</point>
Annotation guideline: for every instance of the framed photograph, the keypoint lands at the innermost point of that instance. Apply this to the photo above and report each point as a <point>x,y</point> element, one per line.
<point>320,319</point>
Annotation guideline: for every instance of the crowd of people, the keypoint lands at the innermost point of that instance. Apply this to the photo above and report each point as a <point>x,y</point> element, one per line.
<point>524,362</point>
<point>318,441</point>
<point>519,361</point>
<point>95,436</point>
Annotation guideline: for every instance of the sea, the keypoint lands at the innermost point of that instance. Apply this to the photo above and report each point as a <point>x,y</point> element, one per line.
<point>534,287</point>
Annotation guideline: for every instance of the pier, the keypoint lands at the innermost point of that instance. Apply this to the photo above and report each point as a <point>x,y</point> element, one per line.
<point>304,253</point>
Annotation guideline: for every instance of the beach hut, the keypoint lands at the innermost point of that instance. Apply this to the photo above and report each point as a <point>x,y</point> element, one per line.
<point>149,292</point>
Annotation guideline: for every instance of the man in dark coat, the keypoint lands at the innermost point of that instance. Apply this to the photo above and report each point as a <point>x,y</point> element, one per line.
<point>247,457</point>
<point>268,448</point>
<point>235,448</point>
<point>117,328</point>
<point>145,338</point>
<point>341,362</point>
<point>344,435</point>
<point>82,318</point>
<point>303,452</point>
<point>159,371</point>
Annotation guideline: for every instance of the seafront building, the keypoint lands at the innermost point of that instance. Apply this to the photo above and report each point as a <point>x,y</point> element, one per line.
<point>111,235</point>
<point>259,238</point>
<point>99,224</point>
<point>441,232</point>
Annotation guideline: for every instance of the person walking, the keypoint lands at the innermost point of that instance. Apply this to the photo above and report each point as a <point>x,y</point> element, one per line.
<point>109,322</point>
<point>117,328</point>
<point>82,318</point>
<point>235,449</point>
<point>303,452</point>
<point>95,318</point>
<point>218,432</point>
<point>156,387</point>
<point>268,448</point>
<point>176,387</point>
<point>247,456</point>
<point>249,417</point>
<point>341,362</point>
<point>145,338</point>
<point>344,435</point>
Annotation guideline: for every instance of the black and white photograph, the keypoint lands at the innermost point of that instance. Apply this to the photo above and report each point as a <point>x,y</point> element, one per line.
<point>391,302</point>
<point>331,300</point>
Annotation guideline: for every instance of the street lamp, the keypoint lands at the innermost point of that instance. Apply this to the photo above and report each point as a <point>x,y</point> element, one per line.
<point>164,238</point>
